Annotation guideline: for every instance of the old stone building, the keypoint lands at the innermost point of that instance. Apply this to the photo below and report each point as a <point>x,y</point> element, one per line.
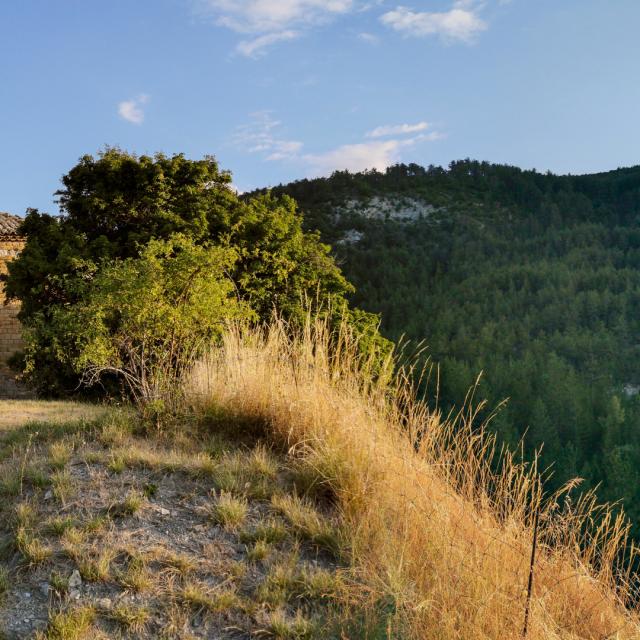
<point>10,335</point>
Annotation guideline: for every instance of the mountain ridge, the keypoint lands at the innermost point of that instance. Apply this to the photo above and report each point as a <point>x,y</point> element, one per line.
<point>533,279</point>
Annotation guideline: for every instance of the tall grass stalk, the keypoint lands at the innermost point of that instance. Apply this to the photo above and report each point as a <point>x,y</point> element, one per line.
<point>440,521</point>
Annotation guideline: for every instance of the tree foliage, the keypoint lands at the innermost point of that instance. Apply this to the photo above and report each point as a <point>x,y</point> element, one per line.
<point>532,279</point>
<point>146,320</point>
<point>114,205</point>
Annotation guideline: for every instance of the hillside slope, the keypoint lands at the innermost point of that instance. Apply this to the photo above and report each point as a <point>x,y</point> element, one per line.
<point>109,533</point>
<point>532,279</point>
<point>290,501</point>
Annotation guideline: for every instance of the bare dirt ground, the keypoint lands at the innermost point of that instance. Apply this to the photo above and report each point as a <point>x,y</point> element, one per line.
<point>108,533</point>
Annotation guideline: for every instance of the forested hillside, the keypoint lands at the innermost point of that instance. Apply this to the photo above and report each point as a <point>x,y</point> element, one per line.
<point>533,279</point>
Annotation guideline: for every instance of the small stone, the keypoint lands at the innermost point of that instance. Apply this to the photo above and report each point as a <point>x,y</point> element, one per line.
<point>75,580</point>
<point>104,603</point>
<point>27,595</point>
<point>48,495</point>
<point>164,512</point>
<point>44,588</point>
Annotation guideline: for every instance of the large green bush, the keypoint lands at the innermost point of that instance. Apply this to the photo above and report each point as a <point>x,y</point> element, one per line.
<point>114,205</point>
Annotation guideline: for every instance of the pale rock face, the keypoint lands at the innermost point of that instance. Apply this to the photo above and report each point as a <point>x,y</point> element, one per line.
<point>397,208</point>
<point>351,236</point>
<point>388,208</point>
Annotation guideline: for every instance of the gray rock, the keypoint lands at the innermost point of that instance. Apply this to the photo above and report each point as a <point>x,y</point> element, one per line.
<point>75,581</point>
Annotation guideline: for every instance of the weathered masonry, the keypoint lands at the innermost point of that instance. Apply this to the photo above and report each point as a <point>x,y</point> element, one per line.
<point>10,334</point>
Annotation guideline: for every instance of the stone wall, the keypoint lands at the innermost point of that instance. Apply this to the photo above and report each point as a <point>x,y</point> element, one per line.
<point>10,333</point>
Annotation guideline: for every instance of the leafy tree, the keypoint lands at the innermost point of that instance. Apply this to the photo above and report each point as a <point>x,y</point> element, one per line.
<point>116,204</point>
<point>147,319</point>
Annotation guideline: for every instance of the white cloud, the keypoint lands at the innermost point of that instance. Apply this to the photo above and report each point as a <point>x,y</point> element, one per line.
<point>272,21</point>
<point>378,154</point>
<point>462,23</point>
<point>256,47</point>
<point>369,38</point>
<point>261,136</point>
<point>397,130</point>
<point>131,110</point>
<point>262,16</point>
<point>355,157</point>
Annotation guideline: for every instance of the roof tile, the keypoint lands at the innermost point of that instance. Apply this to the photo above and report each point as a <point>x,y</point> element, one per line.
<point>9,224</point>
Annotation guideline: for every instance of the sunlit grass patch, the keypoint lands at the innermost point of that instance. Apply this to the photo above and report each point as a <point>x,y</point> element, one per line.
<point>136,577</point>
<point>63,485</point>
<point>58,583</point>
<point>132,618</point>
<point>283,627</point>
<point>117,464</point>
<point>94,564</point>
<point>278,587</point>
<point>132,503</point>
<point>259,551</point>
<point>71,539</point>
<point>69,625</point>
<point>17,477</point>
<point>11,481</point>
<point>262,462</point>
<point>229,512</point>
<point>25,514</point>
<point>270,531</point>
<point>181,563</point>
<point>200,597</point>
<point>250,474</point>
<point>307,523</point>
<point>33,549</point>
<point>59,454</point>
<point>57,525</point>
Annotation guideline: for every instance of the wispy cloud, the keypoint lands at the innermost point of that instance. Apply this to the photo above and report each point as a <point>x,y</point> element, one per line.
<point>132,110</point>
<point>462,23</point>
<point>265,16</point>
<point>257,47</point>
<point>355,157</point>
<point>272,21</point>
<point>397,130</point>
<point>369,38</point>
<point>375,154</point>
<point>261,136</point>
<point>265,23</point>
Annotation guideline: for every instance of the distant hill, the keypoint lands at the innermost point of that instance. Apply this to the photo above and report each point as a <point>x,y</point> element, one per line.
<point>532,278</point>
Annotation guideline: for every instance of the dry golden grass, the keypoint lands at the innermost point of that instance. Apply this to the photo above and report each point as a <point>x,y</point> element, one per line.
<point>15,413</point>
<point>439,543</point>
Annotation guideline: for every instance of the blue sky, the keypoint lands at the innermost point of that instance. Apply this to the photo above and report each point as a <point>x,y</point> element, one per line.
<point>285,89</point>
